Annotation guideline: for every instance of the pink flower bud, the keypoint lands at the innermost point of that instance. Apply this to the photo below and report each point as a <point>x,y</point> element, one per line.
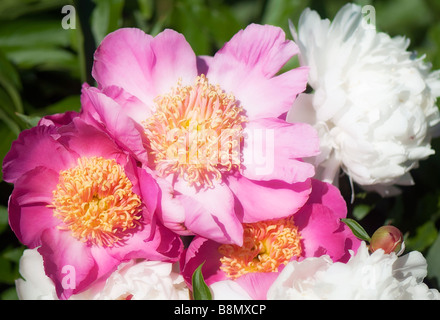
<point>388,238</point>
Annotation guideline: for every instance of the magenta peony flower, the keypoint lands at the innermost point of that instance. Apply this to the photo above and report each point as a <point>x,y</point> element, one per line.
<point>83,201</point>
<point>211,126</point>
<point>313,231</point>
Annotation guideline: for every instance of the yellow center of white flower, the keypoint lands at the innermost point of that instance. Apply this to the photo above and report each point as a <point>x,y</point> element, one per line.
<point>195,133</point>
<point>266,246</point>
<point>95,201</point>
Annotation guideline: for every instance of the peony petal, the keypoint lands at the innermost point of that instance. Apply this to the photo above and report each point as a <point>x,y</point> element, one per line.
<point>59,119</point>
<point>132,106</point>
<point>264,200</point>
<point>68,262</point>
<point>273,150</point>
<point>33,148</point>
<point>142,65</point>
<point>246,67</point>
<point>329,196</point>
<point>170,210</point>
<point>88,141</point>
<point>257,284</point>
<point>202,250</point>
<point>152,242</point>
<point>228,290</point>
<point>112,118</point>
<point>261,48</point>
<point>322,233</point>
<point>29,214</point>
<point>210,212</point>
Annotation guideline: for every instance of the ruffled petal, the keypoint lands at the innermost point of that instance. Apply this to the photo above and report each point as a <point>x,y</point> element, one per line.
<point>29,214</point>
<point>322,233</point>
<point>87,140</point>
<point>265,200</point>
<point>246,67</point>
<point>142,65</point>
<point>33,148</point>
<point>68,262</point>
<point>211,212</point>
<point>329,196</point>
<point>273,150</point>
<point>152,242</point>
<point>202,250</point>
<point>110,117</point>
<point>257,284</point>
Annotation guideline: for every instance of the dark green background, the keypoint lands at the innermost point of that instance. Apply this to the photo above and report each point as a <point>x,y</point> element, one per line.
<point>42,67</point>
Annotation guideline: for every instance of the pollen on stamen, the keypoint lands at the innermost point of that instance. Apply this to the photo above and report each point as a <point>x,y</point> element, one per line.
<point>196,133</point>
<point>95,201</point>
<point>266,246</point>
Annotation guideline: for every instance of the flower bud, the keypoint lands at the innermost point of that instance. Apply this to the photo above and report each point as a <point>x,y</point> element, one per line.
<point>387,238</point>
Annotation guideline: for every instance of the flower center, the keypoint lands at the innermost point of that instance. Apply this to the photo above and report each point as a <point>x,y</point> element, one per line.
<point>195,132</point>
<point>266,246</point>
<point>95,201</point>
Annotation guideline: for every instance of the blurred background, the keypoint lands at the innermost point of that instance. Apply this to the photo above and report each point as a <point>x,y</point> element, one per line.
<point>46,53</point>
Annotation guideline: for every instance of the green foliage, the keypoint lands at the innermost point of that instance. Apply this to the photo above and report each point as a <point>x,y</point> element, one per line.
<point>200,289</point>
<point>42,68</point>
<point>357,229</point>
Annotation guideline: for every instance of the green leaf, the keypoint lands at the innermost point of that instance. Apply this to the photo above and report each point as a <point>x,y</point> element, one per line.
<point>200,289</point>
<point>31,121</point>
<point>425,236</point>
<point>433,260</point>
<point>9,294</point>
<point>106,18</point>
<point>357,229</point>
<point>361,211</point>
<point>3,218</point>
<point>5,142</point>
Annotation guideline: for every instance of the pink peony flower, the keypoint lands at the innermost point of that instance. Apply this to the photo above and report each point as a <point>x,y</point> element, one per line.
<point>313,231</point>
<point>212,126</point>
<point>83,201</point>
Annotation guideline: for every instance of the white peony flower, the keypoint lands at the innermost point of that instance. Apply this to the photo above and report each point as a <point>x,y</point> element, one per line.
<point>376,276</point>
<point>374,102</point>
<point>228,290</point>
<point>136,280</point>
<point>37,285</point>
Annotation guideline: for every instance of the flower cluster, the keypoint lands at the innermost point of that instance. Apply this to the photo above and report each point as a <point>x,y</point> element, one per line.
<point>177,161</point>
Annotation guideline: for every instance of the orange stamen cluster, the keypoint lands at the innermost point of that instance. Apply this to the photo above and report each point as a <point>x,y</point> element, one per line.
<point>266,246</point>
<point>95,201</point>
<point>195,132</point>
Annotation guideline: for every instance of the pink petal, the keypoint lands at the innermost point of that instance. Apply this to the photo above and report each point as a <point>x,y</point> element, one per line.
<point>142,65</point>
<point>202,250</point>
<point>246,67</point>
<point>110,117</point>
<point>152,242</point>
<point>322,233</point>
<point>132,106</point>
<point>33,148</point>
<point>329,196</point>
<point>88,141</point>
<point>273,149</point>
<point>59,119</point>
<point>148,189</point>
<point>68,262</point>
<point>29,214</point>
<point>257,284</point>
<point>261,48</point>
<point>170,210</point>
<point>265,200</point>
<point>210,212</point>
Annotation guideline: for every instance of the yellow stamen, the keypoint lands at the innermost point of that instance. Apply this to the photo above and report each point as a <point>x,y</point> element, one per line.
<point>266,246</point>
<point>195,132</point>
<point>95,201</point>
